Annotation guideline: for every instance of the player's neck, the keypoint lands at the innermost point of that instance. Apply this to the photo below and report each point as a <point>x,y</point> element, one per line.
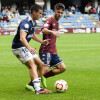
<point>55,18</point>
<point>32,17</point>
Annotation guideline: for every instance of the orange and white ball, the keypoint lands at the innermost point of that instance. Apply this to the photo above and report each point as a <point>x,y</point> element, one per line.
<point>61,86</point>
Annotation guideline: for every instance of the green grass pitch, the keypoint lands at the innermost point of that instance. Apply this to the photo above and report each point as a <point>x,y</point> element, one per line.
<point>80,53</point>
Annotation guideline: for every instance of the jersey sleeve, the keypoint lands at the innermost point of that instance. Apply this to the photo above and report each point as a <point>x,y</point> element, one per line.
<point>24,26</point>
<point>47,24</point>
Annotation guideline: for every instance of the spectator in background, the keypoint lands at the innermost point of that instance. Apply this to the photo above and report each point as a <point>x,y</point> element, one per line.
<point>11,13</point>
<point>9,8</point>
<point>7,12</point>
<point>98,9</point>
<point>27,9</point>
<point>14,7</point>
<point>98,12</point>
<point>1,18</point>
<point>69,9</point>
<point>76,9</point>
<point>66,14</point>
<point>44,13</point>
<point>6,18</point>
<point>4,11</point>
<point>93,11</point>
<point>86,9</point>
<point>23,10</point>
<point>17,13</point>
<point>73,9</point>
<point>89,8</point>
<point>2,8</point>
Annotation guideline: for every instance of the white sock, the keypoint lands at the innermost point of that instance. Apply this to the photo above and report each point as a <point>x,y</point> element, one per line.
<point>36,84</point>
<point>39,79</point>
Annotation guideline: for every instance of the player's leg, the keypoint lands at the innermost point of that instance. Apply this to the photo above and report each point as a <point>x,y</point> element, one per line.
<point>38,62</point>
<point>46,58</point>
<point>43,79</point>
<point>26,58</point>
<point>33,74</point>
<point>41,70</point>
<point>99,21</point>
<point>41,66</point>
<point>35,79</point>
<point>59,67</point>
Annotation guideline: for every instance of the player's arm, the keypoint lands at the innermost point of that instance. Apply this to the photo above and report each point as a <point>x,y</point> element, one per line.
<point>23,35</point>
<point>47,31</point>
<point>35,37</point>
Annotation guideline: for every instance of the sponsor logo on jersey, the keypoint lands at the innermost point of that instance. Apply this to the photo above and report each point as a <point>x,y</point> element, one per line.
<point>43,55</point>
<point>43,59</point>
<point>30,36</point>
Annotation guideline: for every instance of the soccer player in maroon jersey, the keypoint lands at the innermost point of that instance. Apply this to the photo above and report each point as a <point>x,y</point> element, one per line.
<point>48,53</point>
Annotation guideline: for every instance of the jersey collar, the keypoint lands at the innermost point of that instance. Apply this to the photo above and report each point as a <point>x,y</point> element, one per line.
<point>54,19</point>
<point>31,20</point>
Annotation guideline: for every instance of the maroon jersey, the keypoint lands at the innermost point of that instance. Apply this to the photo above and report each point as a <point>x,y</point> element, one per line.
<point>50,24</point>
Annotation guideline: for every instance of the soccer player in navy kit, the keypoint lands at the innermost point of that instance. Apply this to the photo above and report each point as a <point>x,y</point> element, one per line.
<point>48,53</point>
<point>25,53</point>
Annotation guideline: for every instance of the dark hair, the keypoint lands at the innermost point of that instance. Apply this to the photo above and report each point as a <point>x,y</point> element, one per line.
<point>36,7</point>
<point>59,6</point>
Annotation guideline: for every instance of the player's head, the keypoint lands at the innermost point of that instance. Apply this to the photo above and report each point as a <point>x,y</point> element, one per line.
<point>58,10</point>
<point>36,11</point>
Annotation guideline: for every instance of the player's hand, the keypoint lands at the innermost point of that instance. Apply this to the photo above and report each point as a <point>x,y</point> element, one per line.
<point>46,41</point>
<point>32,50</point>
<point>56,33</point>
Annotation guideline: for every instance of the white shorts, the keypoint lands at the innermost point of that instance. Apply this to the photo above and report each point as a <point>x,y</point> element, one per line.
<point>23,54</point>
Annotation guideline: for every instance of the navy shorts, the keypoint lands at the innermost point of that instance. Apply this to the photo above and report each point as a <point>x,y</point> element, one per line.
<point>50,59</point>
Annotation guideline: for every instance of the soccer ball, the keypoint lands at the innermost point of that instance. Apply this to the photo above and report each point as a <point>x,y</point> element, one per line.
<point>61,86</point>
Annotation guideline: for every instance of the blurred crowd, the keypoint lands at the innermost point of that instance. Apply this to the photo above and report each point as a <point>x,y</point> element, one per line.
<point>9,12</point>
<point>89,9</point>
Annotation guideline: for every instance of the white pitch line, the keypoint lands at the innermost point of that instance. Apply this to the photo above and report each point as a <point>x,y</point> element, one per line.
<point>5,53</point>
<point>80,49</point>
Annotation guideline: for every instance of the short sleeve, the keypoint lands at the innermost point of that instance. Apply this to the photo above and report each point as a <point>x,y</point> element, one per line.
<point>24,26</point>
<point>47,24</point>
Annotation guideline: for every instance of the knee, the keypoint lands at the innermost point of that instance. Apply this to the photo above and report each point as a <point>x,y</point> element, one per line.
<point>33,67</point>
<point>63,68</point>
<point>45,69</point>
<point>41,64</point>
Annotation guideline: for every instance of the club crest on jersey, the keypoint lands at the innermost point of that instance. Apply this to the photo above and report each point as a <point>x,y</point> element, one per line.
<point>26,26</point>
<point>46,25</point>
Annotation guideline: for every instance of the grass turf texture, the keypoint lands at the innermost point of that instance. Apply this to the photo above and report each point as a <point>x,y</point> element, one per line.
<point>80,53</point>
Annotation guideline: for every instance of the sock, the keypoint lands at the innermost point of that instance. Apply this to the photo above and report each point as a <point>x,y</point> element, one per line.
<point>49,74</point>
<point>39,79</point>
<point>36,84</point>
<point>30,83</point>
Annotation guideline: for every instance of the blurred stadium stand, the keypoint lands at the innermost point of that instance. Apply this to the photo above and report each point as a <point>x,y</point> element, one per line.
<point>77,20</point>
